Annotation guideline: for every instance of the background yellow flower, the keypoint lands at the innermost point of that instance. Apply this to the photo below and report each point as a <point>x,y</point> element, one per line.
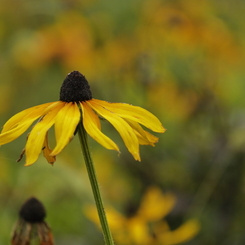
<point>147,225</point>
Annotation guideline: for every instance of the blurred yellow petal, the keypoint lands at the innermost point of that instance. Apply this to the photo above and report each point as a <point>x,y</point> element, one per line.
<point>66,122</point>
<point>29,114</point>
<point>182,234</point>
<point>92,126</point>
<point>134,113</point>
<point>127,133</point>
<point>125,231</point>
<point>138,231</point>
<point>155,205</point>
<point>115,219</point>
<point>47,151</point>
<point>36,138</point>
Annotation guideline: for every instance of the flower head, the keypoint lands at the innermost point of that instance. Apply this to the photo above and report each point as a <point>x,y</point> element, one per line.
<point>77,105</point>
<point>31,225</point>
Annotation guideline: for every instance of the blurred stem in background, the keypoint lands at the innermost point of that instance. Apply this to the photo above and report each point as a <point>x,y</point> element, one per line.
<point>94,184</point>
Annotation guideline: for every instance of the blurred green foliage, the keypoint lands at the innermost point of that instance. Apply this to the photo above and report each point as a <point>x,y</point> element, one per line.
<point>182,60</point>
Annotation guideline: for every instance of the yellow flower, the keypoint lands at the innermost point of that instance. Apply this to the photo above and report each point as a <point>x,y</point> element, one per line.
<point>77,105</point>
<point>147,226</point>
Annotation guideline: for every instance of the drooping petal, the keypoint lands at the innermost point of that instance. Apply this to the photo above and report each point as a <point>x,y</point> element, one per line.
<point>89,113</point>
<point>144,137</point>
<point>127,133</point>
<point>20,122</point>
<point>36,138</point>
<point>148,140</point>
<point>14,133</point>
<point>134,113</point>
<point>92,126</point>
<point>29,114</point>
<point>47,151</point>
<point>65,125</point>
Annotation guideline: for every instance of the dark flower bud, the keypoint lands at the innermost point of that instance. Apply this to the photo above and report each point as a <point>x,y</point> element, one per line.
<point>75,88</point>
<point>32,211</point>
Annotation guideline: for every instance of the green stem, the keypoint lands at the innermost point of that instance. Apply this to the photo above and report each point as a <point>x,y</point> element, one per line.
<point>94,184</point>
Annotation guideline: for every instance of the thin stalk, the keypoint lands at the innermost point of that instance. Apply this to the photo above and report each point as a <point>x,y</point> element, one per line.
<point>94,184</point>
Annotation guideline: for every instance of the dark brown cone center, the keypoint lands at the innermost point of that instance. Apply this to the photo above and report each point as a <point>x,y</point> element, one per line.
<point>32,211</point>
<point>75,88</point>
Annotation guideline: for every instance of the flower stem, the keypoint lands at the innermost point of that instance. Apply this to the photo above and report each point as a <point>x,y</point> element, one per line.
<point>94,184</point>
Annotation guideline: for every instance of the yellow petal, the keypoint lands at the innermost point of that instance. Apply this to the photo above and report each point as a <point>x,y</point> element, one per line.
<point>47,151</point>
<point>149,139</point>
<point>14,133</point>
<point>134,113</point>
<point>116,220</point>
<point>20,122</point>
<point>144,137</point>
<point>182,234</point>
<point>65,125</point>
<point>127,133</point>
<point>29,114</point>
<point>36,138</point>
<point>92,126</point>
<point>138,231</point>
<point>156,205</point>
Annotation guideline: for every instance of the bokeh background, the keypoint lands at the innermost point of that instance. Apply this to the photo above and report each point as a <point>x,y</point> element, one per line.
<point>183,60</point>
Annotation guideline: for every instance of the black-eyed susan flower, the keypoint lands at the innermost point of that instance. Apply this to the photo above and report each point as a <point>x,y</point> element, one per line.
<point>77,105</point>
<point>147,226</point>
<point>31,225</point>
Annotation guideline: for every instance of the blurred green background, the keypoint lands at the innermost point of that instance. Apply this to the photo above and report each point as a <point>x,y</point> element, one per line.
<point>183,60</point>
